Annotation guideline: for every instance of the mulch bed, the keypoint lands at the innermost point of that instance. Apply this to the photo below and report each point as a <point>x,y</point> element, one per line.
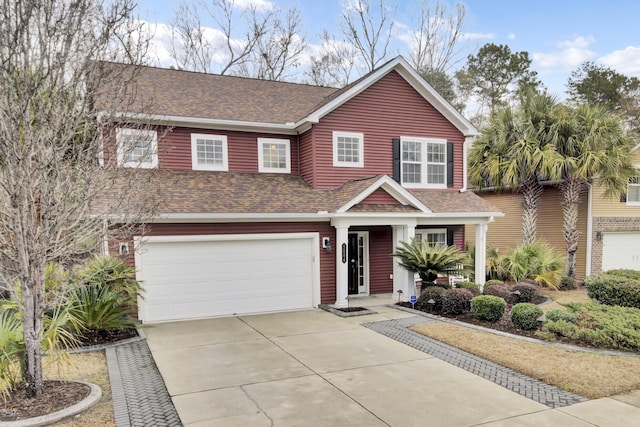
<point>101,336</point>
<point>504,324</point>
<point>57,395</point>
<point>351,309</point>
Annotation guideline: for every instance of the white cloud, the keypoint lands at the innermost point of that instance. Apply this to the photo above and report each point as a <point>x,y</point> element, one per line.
<point>259,5</point>
<point>625,61</point>
<point>511,36</point>
<point>569,54</point>
<point>478,36</point>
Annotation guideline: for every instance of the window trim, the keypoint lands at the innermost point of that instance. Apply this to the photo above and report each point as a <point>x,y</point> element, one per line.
<point>633,202</point>
<point>194,153</point>
<point>120,149</point>
<point>424,163</point>
<point>286,142</point>
<point>343,164</point>
<point>424,231</point>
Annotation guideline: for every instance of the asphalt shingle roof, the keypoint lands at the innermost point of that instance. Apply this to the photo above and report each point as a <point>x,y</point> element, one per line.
<point>198,95</point>
<point>243,193</point>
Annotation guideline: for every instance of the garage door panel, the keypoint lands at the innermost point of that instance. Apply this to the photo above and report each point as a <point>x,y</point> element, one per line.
<point>621,250</point>
<point>189,279</point>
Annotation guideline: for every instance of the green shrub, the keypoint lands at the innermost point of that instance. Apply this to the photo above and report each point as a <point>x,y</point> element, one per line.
<point>611,289</point>
<point>600,325</point>
<point>494,282</point>
<point>470,286</point>
<point>488,307</point>
<point>568,283</point>
<point>456,301</point>
<point>104,295</point>
<point>498,290</point>
<point>623,272</point>
<point>525,315</point>
<point>429,261</point>
<point>560,328</point>
<point>555,315</point>
<point>434,293</point>
<point>524,292</point>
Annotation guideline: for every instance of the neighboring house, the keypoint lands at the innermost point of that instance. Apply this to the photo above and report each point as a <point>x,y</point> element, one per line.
<point>609,227</point>
<point>279,196</point>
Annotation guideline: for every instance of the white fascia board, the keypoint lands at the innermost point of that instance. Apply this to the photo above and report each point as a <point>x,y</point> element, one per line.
<point>160,119</point>
<point>230,217</point>
<point>393,188</point>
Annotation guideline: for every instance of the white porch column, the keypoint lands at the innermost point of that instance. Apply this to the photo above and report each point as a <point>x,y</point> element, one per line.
<point>402,278</point>
<point>481,254</point>
<point>342,266</point>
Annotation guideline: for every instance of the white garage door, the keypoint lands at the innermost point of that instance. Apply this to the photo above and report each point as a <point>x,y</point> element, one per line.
<point>187,277</point>
<point>620,250</point>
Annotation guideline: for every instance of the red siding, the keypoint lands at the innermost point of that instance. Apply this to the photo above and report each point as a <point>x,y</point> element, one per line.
<point>174,151</point>
<point>380,197</point>
<point>388,109</point>
<point>327,259</point>
<point>380,259</point>
<point>307,169</point>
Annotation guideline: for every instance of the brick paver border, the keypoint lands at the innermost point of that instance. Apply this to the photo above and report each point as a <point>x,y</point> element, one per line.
<point>546,394</point>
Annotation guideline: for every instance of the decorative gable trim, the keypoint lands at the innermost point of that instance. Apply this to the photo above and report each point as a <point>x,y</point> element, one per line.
<point>393,188</point>
<point>402,67</point>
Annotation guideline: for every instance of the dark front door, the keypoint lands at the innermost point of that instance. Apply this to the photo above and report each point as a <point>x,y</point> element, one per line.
<point>354,260</point>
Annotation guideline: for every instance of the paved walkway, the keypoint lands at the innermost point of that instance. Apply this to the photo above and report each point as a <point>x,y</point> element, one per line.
<point>140,396</point>
<point>546,394</point>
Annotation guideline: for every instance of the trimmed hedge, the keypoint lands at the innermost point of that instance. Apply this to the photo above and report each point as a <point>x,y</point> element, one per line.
<point>494,282</point>
<point>434,293</point>
<point>499,290</point>
<point>568,283</point>
<point>456,301</point>
<point>488,307</point>
<point>475,290</point>
<point>525,315</point>
<point>527,292</point>
<point>624,272</point>
<point>615,289</point>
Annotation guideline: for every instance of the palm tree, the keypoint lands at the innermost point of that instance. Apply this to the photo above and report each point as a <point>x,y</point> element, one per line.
<point>514,152</point>
<point>592,143</point>
<point>429,261</point>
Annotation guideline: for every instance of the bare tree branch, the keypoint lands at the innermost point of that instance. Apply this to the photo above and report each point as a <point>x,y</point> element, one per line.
<point>369,32</point>
<point>52,186</point>
<point>334,65</point>
<point>189,47</point>
<point>436,37</point>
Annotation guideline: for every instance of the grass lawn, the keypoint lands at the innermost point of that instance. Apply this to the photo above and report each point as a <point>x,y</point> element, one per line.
<point>89,367</point>
<point>587,374</point>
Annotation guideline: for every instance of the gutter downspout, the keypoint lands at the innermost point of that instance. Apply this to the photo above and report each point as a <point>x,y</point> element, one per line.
<point>589,229</point>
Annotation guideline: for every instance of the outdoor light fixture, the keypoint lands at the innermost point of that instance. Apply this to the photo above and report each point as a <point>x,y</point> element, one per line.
<point>123,248</point>
<point>326,244</point>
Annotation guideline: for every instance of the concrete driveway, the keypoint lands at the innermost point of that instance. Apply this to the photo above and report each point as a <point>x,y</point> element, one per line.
<point>314,368</point>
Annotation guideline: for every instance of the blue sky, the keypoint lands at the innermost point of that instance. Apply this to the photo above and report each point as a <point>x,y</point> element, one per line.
<point>559,35</point>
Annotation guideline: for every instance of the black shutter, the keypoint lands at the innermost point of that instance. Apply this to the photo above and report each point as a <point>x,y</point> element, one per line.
<point>396,159</point>
<point>449,164</point>
<point>623,198</point>
<point>449,237</point>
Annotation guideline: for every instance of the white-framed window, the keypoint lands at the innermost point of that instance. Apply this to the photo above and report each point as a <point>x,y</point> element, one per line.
<point>435,237</point>
<point>633,191</point>
<point>423,162</point>
<point>274,155</point>
<point>348,149</point>
<point>209,152</point>
<point>137,148</point>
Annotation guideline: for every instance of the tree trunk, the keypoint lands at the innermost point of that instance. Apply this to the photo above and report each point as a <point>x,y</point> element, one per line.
<point>571,188</point>
<point>32,323</point>
<point>531,192</point>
